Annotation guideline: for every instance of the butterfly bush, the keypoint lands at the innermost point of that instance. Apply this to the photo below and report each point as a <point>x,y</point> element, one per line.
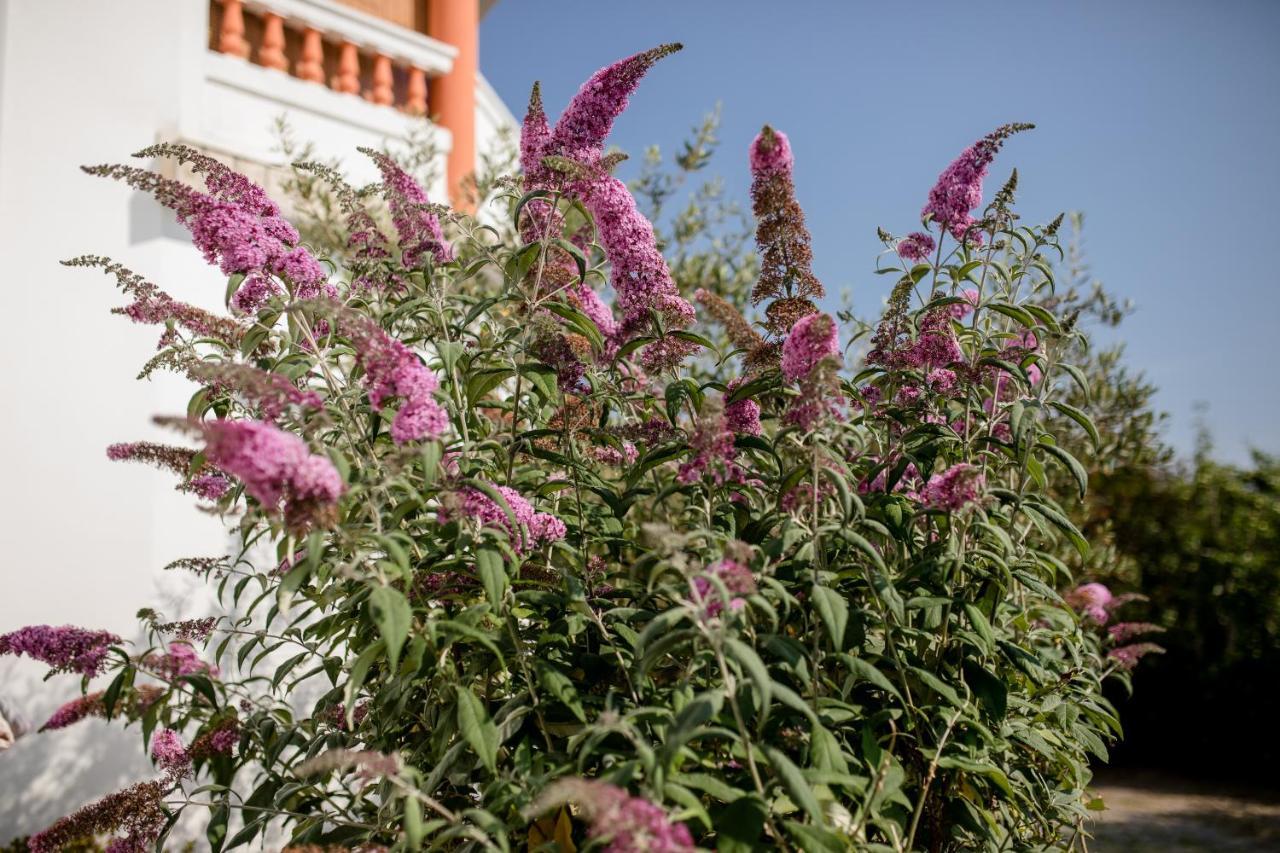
<point>531,553</point>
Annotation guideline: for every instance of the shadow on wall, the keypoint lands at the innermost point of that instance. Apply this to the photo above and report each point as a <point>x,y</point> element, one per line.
<point>43,776</point>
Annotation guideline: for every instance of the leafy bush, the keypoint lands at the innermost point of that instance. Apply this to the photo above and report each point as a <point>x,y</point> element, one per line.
<point>520,569</point>
<point>1202,543</point>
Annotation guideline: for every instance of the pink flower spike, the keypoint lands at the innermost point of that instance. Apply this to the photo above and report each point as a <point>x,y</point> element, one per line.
<point>957,487</point>
<point>65,649</point>
<point>959,188</point>
<point>812,339</point>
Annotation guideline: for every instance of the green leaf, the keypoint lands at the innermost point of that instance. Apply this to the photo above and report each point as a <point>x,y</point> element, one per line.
<point>865,670</point>
<point>493,574</point>
<point>217,829</point>
<point>755,668</point>
<point>1013,312</point>
<point>477,729</point>
<point>946,691</point>
<point>359,671</point>
<point>414,831</point>
<point>1062,523</point>
<point>834,611</point>
<point>981,625</point>
<point>1071,463</point>
<point>824,750</point>
<point>738,827</point>
<point>561,687</point>
<point>1081,418</point>
<point>799,789</point>
<point>969,765</point>
<point>392,614</point>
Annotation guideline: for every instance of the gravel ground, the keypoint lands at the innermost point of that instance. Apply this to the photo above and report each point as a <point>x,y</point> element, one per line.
<point>1149,813</point>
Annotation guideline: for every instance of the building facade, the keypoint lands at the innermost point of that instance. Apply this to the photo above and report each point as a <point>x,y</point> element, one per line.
<point>83,540</point>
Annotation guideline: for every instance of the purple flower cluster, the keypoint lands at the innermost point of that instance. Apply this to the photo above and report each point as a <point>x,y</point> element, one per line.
<point>610,455</point>
<point>916,247</point>
<point>65,649</point>
<point>411,214</point>
<point>742,416</point>
<point>234,225</point>
<point>907,484</point>
<point>1123,632</point>
<point>135,815</point>
<point>542,527</point>
<point>590,303</point>
<point>812,339</point>
<point>714,454</point>
<point>275,465</point>
<point>393,370</point>
<point>782,239</point>
<point>737,579</point>
<point>953,489</point>
<point>1127,657</point>
<point>626,824</point>
<point>209,485</point>
<point>69,713</point>
<point>152,306</point>
<point>959,188</point>
<point>220,740</point>
<point>168,751</point>
<point>580,132</point>
<point>1093,600</point>
<point>960,310</point>
<point>935,346</point>
<point>178,660</point>
<point>640,277</point>
<point>271,393</point>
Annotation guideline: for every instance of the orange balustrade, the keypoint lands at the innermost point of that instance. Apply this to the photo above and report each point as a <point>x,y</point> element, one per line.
<point>348,77</point>
<point>383,81</point>
<point>271,51</point>
<point>310,64</point>
<point>415,100</point>
<point>276,42</point>
<point>231,34</point>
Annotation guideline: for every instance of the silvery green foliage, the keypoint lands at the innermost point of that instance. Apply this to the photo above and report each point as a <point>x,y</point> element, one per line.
<point>840,635</point>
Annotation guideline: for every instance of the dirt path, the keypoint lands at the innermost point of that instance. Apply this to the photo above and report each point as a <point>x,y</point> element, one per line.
<point>1147,813</point>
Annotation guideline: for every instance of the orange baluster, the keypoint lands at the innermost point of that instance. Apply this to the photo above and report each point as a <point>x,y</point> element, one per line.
<point>231,35</point>
<point>271,51</point>
<point>348,77</point>
<point>416,92</point>
<point>311,62</point>
<point>383,81</point>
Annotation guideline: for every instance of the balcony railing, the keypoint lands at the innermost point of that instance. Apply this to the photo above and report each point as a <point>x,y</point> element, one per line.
<point>332,45</point>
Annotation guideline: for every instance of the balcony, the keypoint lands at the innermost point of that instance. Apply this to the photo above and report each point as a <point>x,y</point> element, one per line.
<point>342,76</point>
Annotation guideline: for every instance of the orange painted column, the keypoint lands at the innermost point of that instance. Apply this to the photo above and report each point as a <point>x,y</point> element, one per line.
<point>453,96</point>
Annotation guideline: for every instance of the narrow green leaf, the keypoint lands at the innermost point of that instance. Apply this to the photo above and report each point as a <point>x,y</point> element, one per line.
<point>392,614</point>
<point>834,611</point>
<point>758,673</point>
<point>493,574</point>
<point>799,789</point>
<point>476,727</point>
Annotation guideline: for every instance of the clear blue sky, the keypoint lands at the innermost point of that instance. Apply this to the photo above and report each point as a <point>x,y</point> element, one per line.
<point>1159,120</point>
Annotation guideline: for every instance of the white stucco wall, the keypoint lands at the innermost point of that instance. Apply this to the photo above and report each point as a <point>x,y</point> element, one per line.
<point>82,539</point>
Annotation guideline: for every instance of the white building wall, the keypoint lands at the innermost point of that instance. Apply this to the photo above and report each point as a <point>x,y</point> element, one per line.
<point>82,539</point>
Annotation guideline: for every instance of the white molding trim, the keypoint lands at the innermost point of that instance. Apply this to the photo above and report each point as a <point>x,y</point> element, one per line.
<point>488,100</point>
<point>291,93</point>
<point>347,24</point>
